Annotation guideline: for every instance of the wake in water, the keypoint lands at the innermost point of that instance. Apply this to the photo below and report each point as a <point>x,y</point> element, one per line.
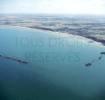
<point>14,59</point>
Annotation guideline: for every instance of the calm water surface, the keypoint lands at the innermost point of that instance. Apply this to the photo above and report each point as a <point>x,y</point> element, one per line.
<point>56,66</point>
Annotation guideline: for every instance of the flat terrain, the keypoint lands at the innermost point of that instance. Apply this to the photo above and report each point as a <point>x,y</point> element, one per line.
<point>92,27</point>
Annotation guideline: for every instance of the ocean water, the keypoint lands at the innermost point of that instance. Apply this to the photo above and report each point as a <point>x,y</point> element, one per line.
<point>55,69</point>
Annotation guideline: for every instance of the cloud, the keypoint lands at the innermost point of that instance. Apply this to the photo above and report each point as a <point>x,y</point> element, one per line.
<point>73,6</point>
<point>54,6</point>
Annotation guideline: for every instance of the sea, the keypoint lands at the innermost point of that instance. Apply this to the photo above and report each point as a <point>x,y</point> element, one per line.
<point>43,65</point>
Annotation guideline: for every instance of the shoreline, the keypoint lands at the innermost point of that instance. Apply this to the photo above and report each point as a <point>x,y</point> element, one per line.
<point>97,40</point>
<point>88,37</point>
<point>51,30</point>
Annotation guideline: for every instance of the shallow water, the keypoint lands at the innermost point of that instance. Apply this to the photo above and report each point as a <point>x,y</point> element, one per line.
<point>56,66</point>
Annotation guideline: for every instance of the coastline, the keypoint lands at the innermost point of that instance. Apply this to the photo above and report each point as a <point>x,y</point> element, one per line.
<point>88,37</point>
<point>96,39</point>
<point>52,31</point>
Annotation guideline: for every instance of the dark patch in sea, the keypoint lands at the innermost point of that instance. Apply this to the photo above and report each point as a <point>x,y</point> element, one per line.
<point>88,64</point>
<point>95,60</point>
<point>102,53</point>
<point>14,59</point>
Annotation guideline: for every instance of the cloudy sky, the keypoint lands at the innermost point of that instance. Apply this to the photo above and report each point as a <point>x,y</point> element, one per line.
<point>53,6</point>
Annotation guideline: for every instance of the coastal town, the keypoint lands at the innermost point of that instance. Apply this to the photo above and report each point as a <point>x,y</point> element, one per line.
<point>92,27</point>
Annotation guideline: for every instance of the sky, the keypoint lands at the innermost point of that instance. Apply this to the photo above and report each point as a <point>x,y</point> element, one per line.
<point>53,6</point>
